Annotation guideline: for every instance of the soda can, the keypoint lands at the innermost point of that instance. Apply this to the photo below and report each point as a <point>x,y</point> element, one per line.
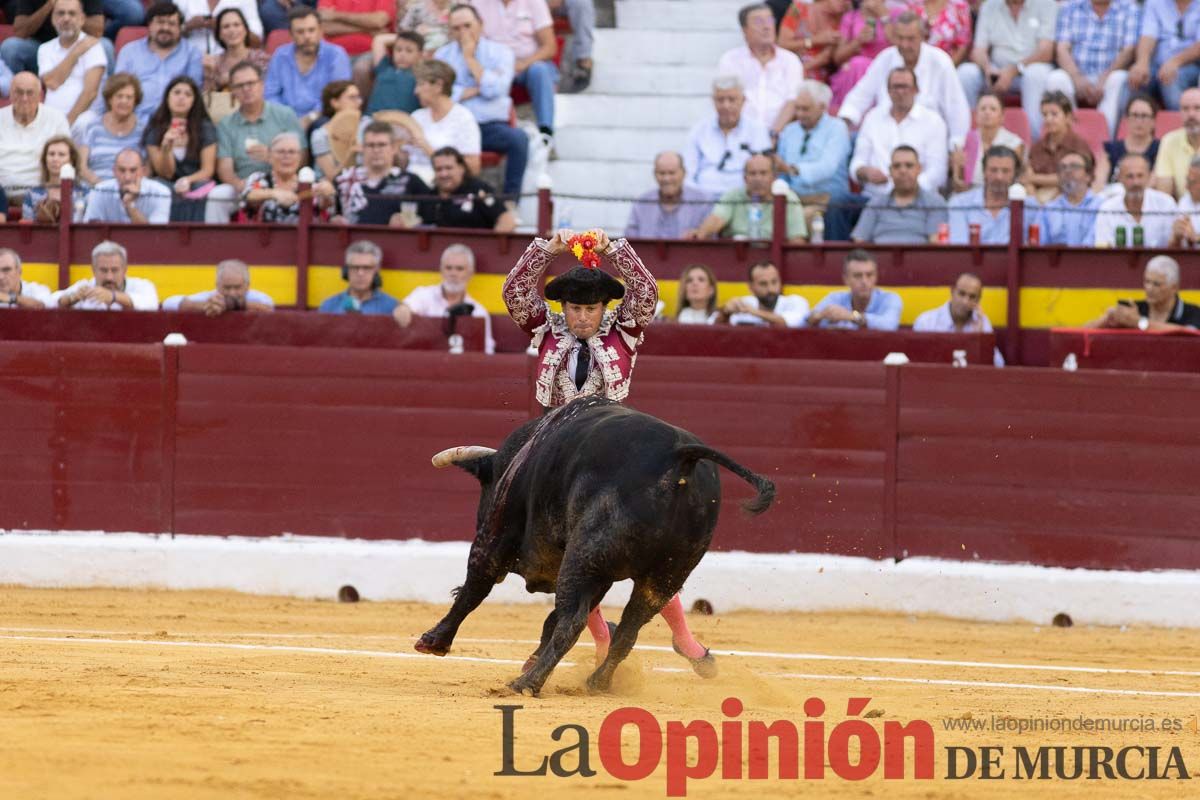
<point>943,233</point>
<point>1120,236</point>
<point>1035,235</point>
<point>976,231</point>
<point>1139,236</point>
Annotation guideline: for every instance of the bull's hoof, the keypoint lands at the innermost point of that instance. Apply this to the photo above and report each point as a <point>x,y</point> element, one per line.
<point>598,684</point>
<point>523,686</point>
<point>705,666</point>
<point>430,645</point>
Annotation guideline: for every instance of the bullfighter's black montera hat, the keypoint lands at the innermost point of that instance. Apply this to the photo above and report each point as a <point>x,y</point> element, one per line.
<point>584,285</point>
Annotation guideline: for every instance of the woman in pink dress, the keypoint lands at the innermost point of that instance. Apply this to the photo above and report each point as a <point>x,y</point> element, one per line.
<point>810,30</point>
<point>863,36</point>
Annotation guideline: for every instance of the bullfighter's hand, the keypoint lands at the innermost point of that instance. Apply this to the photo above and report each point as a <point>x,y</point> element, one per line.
<point>558,242</point>
<point>602,241</point>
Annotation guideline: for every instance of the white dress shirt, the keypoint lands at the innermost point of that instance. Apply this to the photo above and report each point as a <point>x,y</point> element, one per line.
<point>937,80</point>
<point>1158,215</point>
<point>792,307</point>
<point>34,290</point>
<point>141,293</point>
<point>21,145</point>
<point>939,320</point>
<point>714,160</point>
<point>767,86</point>
<point>428,301</point>
<point>880,134</point>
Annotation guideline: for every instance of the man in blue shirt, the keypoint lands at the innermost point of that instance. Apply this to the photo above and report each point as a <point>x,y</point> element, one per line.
<point>483,76</point>
<point>987,205</point>
<point>863,306</point>
<point>1168,50</point>
<point>815,153</point>
<point>1070,218</point>
<point>158,59</point>
<point>299,71</point>
<point>361,271</point>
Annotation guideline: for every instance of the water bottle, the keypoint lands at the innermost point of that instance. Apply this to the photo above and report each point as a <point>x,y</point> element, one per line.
<point>564,217</point>
<point>1070,363</point>
<point>818,229</point>
<point>754,217</point>
<point>959,358</point>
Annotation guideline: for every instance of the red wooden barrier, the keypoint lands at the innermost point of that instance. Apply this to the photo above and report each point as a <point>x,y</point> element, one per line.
<point>1126,349</point>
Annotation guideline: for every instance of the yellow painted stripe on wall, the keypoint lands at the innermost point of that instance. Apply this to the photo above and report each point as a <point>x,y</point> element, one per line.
<point>40,272</point>
<point>1055,307</point>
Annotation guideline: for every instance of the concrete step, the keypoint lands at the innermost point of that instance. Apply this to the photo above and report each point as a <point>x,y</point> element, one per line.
<point>678,15</point>
<point>585,214</point>
<point>617,144</point>
<point>632,47</point>
<point>664,79</point>
<point>629,111</point>
<point>617,179</point>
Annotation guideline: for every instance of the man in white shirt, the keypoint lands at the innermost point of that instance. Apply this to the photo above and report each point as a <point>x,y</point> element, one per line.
<point>719,147</point>
<point>71,65</point>
<point>960,314</point>
<point>1185,231</point>
<point>903,122</point>
<point>128,196</point>
<point>941,91</point>
<point>15,292</point>
<point>233,293</point>
<point>769,74</point>
<point>1140,206</point>
<point>766,306</point>
<point>24,128</point>
<point>109,288</point>
<point>457,266</point>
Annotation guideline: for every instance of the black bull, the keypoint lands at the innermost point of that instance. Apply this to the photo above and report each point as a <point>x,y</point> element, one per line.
<point>589,494</point>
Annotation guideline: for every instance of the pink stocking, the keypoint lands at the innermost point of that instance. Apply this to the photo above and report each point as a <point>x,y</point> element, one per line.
<point>682,637</point>
<point>599,630</point>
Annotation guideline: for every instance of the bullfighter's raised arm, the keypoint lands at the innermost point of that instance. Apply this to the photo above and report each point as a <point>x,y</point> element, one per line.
<point>641,289</point>
<point>522,293</point>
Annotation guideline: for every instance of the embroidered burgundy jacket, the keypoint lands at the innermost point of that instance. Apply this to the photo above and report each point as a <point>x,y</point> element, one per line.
<point>613,348</point>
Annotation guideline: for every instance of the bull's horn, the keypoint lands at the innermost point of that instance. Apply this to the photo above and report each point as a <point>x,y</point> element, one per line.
<point>463,453</point>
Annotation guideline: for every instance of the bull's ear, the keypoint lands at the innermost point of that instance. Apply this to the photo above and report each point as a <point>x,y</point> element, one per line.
<point>481,468</point>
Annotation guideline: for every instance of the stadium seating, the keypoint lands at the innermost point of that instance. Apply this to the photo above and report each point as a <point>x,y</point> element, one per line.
<point>1164,123</point>
<point>277,39</point>
<point>1091,125</point>
<point>1017,121</point>
<point>129,34</point>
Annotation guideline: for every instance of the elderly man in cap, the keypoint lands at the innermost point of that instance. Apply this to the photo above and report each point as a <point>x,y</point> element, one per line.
<point>590,350</point>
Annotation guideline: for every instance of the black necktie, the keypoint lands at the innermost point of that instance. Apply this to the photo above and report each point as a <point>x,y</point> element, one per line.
<point>582,364</point>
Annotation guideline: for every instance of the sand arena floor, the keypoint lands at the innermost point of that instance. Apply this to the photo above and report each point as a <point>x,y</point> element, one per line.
<point>139,694</point>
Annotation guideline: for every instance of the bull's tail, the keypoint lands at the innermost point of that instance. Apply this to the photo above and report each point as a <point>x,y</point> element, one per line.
<point>689,454</point>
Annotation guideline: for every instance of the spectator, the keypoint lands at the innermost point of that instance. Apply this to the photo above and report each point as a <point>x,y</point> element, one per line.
<point>334,136</point>
<point>719,146</point>
<point>394,56</point>
<point>441,122</point>
<point>908,214</point>
<point>967,167</point>
<point>463,201</point>
<point>233,293</point>
<point>118,128</point>
<point>863,306</point>
<point>457,265</point>
<point>1070,218</point>
<point>672,211</point>
<point>109,288</point>
<point>360,270</point>
<point>814,152</point>
<point>299,71</point>
<point>1185,231</point>
<point>273,195</point>
<point>810,30</point>
<point>986,206</point>
<point>697,296</point>
<point>948,23</point>
<point>1095,41</point>
<point>72,65</point>
<point>747,211</point>
<point>863,36</point>
<point>242,136</point>
<point>181,144</point>
<point>274,13</point>
<point>202,23</point>
<point>1140,115</point>
<point>769,74</point>
<point>1162,310</point>
<point>886,127</point>
<point>766,306</point>
<point>15,292</point>
<point>1058,137</point>
<point>43,203</point>
<point>483,77</point>
<point>429,19</point>
<point>373,193</point>
<point>526,28</point>
<point>6,77</point>
<point>119,14</point>
<point>1014,51</point>
<point>235,45</point>
<point>940,90</point>
<point>33,26</point>
<point>961,314</point>
<point>160,56</point>
<point>25,127</point>
<point>1168,51</point>
<point>352,24</point>
<point>581,14</point>
<point>1179,147</point>
<point>128,196</point>
<point>1141,207</point>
